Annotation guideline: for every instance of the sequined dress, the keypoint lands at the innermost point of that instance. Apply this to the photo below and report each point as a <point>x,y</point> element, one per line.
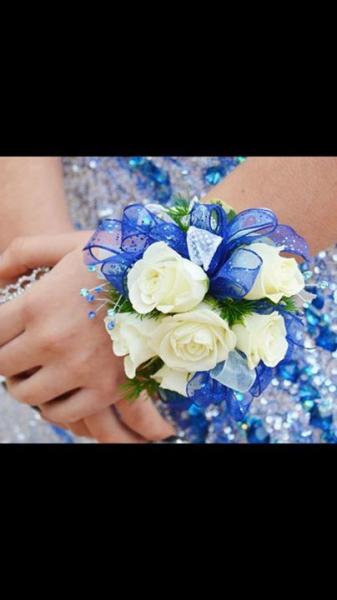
<point>300,405</point>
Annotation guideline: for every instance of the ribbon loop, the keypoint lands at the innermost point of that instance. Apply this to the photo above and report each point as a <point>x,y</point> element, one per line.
<point>249,225</point>
<point>211,217</point>
<point>234,373</point>
<point>237,275</point>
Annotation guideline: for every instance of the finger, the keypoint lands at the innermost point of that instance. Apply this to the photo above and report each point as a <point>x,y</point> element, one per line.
<point>142,417</point>
<point>11,320</point>
<point>79,405</point>
<point>26,253</point>
<point>80,429</point>
<point>106,428</point>
<point>16,357</point>
<point>45,385</point>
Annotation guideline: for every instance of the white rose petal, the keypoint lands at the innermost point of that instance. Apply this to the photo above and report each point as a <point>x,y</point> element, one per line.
<point>262,337</point>
<point>164,280</point>
<point>130,338</point>
<point>172,379</point>
<point>194,341</point>
<point>278,276</point>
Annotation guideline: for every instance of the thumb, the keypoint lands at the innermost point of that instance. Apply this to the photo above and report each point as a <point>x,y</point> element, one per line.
<point>27,253</point>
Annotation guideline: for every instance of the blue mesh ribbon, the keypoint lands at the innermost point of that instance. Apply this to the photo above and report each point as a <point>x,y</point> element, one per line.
<point>250,225</point>
<point>117,245</point>
<point>211,217</point>
<point>237,275</point>
<point>232,270</point>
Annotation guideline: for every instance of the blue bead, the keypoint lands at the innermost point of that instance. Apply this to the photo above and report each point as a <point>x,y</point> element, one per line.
<point>90,298</point>
<point>327,339</point>
<point>91,314</point>
<point>288,370</point>
<point>99,289</point>
<point>91,268</point>
<point>111,325</point>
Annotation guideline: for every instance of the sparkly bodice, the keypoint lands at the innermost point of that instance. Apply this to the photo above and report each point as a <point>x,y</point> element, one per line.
<point>301,403</point>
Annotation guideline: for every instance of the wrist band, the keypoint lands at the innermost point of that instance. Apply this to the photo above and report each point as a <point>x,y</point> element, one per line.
<point>24,282</point>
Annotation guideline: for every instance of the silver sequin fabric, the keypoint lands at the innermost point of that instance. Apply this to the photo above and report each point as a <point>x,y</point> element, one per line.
<point>300,406</point>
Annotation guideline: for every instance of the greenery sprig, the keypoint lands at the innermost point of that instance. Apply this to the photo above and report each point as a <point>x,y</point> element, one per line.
<point>142,382</point>
<point>179,212</point>
<point>235,311</point>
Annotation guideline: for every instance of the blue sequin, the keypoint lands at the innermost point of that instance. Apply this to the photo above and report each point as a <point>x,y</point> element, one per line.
<point>327,339</point>
<point>288,370</point>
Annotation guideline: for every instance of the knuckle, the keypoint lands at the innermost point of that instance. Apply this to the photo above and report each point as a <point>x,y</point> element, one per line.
<point>53,339</point>
<point>23,394</point>
<point>62,411</point>
<point>54,413</point>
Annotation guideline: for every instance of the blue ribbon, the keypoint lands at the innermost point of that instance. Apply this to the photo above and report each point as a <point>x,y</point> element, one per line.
<point>117,244</point>
<point>232,270</point>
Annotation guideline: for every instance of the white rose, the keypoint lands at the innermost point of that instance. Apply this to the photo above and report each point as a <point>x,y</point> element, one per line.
<point>164,280</point>
<point>172,379</point>
<point>278,276</point>
<point>130,338</point>
<point>193,341</point>
<point>262,337</point>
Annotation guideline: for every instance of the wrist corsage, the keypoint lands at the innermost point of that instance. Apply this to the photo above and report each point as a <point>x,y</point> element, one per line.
<point>202,303</point>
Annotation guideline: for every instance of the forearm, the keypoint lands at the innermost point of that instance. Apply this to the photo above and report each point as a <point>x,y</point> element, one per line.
<point>302,191</point>
<point>32,198</point>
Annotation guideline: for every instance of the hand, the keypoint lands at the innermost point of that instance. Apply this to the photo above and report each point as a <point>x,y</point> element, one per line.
<point>54,357</point>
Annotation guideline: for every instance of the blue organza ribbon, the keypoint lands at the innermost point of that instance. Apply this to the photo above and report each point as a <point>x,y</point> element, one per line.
<point>232,270</point>
<point>237,275</point>
<point>117,244</point>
